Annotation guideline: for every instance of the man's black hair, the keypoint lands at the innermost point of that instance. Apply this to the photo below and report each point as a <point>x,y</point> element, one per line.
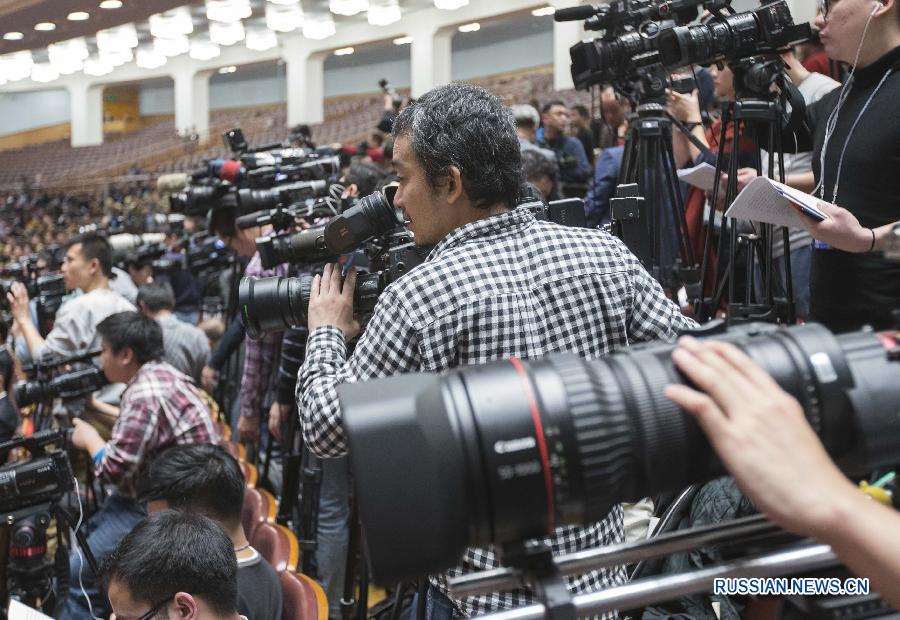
<point>200,478</point>
<point>535,165</point>
<point>550,104</point>
<point>465,126</point>
<point>367,177</point>
<point>94,246</point>
<point>156,296</point>
<point>173,552</point>
<point>582,109</point>
<point>139,333</point>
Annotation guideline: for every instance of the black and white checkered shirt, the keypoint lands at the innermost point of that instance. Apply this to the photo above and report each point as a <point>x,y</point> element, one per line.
<point>507,285</point>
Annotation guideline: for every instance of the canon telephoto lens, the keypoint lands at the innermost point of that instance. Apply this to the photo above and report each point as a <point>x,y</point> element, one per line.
<point>510,450</point>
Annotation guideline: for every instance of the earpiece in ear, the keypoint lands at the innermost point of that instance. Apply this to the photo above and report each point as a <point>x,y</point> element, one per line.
<point>877,5</point>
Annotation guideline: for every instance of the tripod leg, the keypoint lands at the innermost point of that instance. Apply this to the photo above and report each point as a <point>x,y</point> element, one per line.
<point>4,568</point>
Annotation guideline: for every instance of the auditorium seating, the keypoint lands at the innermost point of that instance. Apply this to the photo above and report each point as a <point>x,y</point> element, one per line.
<point>302,598</point>
<point>259,507</point>
<point>277,545</point>
<point>157,148</point>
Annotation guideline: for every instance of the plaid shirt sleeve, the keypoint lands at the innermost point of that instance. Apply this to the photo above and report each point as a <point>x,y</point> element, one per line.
<point>653,316</point>
<point>133,432</point>
<point>387,347</point>
<point>260,356</point>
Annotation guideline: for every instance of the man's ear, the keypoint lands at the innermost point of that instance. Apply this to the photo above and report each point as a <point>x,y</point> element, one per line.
<point>128,356</point>
<point>186,606</point>
<point>454,185</point>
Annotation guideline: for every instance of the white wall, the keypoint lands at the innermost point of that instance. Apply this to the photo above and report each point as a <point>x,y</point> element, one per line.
<point>156,97</point>
<point>532,50</point>
<point>248,86</point>
<point>30,110</point>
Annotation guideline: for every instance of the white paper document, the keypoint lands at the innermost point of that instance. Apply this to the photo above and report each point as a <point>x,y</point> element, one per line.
<point>702,176</point>
<point>18,611</point>
<point>771,202</point>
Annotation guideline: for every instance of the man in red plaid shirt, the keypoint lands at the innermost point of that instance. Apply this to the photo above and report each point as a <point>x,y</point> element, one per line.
<point>160,408</point>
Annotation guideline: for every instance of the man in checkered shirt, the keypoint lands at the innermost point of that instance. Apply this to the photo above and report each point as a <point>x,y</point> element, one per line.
<point>498,283</point>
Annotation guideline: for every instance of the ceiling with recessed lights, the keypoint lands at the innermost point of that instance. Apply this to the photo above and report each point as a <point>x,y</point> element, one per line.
<point>44,39</point>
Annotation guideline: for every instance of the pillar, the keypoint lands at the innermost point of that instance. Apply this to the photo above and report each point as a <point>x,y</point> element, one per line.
<point>430,56</point>
<point>86,112</point>
<point>305,72</point>
<point>191,100</point>
<point>565,35</point>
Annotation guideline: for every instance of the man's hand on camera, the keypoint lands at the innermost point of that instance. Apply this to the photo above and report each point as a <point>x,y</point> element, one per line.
<point>248,429</point>
<point>85,437</point>
<point>18,302</point>
<point>331,301</point>
<point>762,437</point>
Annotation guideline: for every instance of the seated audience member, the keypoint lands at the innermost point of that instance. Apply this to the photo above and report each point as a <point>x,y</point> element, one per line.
<point>173,565</point>
<point>205,479</point>
<point>160,408</point>
<point>186,346</point>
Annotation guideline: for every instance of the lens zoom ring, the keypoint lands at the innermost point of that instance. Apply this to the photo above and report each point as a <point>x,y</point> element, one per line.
<point>602,433</point>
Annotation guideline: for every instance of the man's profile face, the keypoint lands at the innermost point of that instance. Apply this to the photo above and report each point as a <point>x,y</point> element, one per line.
<point>557,118</point>
<point>140,274</point>
<point>112,363</point>
<point>424,206</point>
<point>75,269</point>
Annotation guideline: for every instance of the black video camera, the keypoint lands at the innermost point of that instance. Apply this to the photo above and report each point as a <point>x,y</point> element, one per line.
<point>44,478</point>
<point>67,386</point>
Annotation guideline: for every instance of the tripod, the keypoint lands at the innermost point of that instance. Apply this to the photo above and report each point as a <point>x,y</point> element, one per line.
<point>656,231</point>
<point>758,113</point>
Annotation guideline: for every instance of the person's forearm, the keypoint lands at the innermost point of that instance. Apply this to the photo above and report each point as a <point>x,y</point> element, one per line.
<point>700,133</point>
<point>805,182</point>
<point>881,235</point>
<point>105,408</point>
<point>94,445</point>
<point>862,533</point>
<point>31,334</point>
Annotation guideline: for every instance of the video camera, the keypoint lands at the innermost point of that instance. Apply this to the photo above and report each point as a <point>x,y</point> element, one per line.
<point>44,383</point>
<point>509,451</point>
<point>275,303</point>
<point>43,478</point>
<point>662,29</point>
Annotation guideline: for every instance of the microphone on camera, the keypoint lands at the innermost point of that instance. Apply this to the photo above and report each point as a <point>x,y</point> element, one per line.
<point>172,183</point>
<point>575,13</point>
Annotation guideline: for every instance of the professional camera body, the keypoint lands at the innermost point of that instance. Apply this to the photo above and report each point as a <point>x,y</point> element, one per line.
<point>46,382</point>
<point>372,224</point>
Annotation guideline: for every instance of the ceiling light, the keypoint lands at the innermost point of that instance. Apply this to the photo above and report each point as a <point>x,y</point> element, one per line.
<point>117,39</point>
<point>16,66</point>
<point>284,2</point>
<point>226,34</point>
<point>284,18</point>
<point>473,27</point>
<point>344,51</point>
<point>149,57</point>
<point>403,40</point>
<point>260,39</point>
<point>14,36</point>
<point>116,58</point>
<point>543,11</point>
<point>111,4</point>
<point>318,27</point>
<point>348,7</point>
<point>229,69</point>
<point>204,49</point>
<point>68,57</point>
<point>172,47</point>
<point>43,72</point>
<point>384,12</point>
<point>45,27</point>
<point>78,16</point>
<point>450,5</point>
<point>98,66</point>
<point>172,24</point>
<point>228,11</point>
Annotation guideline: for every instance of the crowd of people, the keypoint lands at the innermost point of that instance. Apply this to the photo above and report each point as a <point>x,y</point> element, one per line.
<point>497,283</point>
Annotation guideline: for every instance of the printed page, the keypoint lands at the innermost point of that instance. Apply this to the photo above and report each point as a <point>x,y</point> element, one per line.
<point>702,176</point>
<point>760,201</point>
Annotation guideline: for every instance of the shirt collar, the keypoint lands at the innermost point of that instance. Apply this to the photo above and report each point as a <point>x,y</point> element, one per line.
<point>506,222</point>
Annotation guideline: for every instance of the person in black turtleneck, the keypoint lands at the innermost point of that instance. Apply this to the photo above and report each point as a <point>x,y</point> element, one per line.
<point>849,290</point>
